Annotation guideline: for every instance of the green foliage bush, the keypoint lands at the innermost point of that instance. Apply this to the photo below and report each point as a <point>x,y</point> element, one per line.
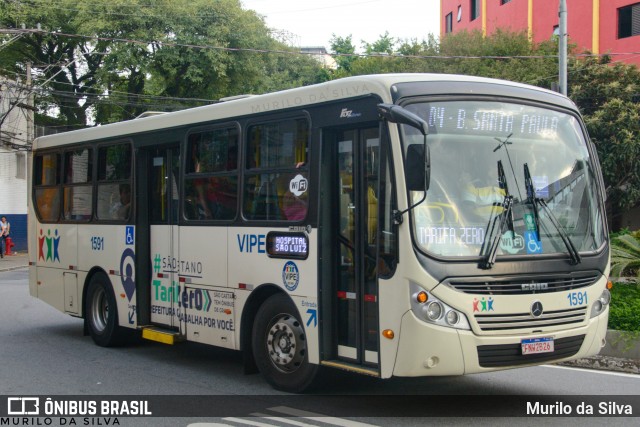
<point>624,313</point>
<point>625,255</point>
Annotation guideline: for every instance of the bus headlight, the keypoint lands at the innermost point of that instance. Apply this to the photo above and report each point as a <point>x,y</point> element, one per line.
<point>601,303</point>
<point>433,310</point>
<point>453,317</point>
<point>430,309</point>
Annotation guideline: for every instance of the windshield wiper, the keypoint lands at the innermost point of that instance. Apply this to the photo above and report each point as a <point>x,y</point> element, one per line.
<point>534,201</point>
<point>506,216</point>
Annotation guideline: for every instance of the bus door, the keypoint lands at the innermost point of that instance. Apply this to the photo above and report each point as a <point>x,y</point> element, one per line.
<point>356,183</point>
<point>163,196</point>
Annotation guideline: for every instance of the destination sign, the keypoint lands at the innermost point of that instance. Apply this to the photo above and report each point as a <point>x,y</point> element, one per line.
<point>495,118</point>
<point>287,245</point>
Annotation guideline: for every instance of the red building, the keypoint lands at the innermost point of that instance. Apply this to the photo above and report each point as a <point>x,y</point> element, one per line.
<point>597,26</point>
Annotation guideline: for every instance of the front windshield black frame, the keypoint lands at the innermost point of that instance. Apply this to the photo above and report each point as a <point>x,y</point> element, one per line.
<point>595,178</point>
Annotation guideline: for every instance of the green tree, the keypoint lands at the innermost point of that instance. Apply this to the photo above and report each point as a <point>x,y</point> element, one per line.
<point>504,54</point>
<point>138,51</point>
<point>593,82</point>
<point>607,97</point>
<point>344,51</point>
<point>384,45</point>
<point>615,130</point>
<point>68,64</point>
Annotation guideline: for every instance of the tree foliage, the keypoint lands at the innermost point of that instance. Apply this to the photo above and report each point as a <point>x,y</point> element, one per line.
<point>607,97</point>
<point>625,255</point>
<point>344,51</point>
<point>461,53</point>
<point>147,54</point>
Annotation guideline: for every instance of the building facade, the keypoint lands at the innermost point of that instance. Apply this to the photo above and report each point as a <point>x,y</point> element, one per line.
<point>15,138</point>
<point>596,26</point>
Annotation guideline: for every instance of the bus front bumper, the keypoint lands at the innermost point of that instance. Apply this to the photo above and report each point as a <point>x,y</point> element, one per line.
<point>428,350</point>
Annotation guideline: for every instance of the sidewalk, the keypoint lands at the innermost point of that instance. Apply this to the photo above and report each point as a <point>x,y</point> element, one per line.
<point>14,261</point>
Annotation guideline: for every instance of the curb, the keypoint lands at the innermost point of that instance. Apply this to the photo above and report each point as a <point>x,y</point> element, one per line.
<point>15,261</point>
<point>606,363</point>
<point>621,353</point>
<point>13,268</point>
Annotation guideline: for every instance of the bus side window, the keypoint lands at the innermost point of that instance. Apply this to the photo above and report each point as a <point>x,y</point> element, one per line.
<point>46,182</point>
<point>211,182</point>
<point>78,185</point>
<point>276,183</point>
<point>114,182</point>
<point>262,199</point>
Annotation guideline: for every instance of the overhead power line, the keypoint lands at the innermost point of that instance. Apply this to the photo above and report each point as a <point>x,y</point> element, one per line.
<point>297,52</point>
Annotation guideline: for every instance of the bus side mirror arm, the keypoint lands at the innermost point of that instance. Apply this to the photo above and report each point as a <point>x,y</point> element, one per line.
<point>396,114</point>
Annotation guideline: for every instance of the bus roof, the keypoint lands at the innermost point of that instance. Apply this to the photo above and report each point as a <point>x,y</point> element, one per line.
<point>379,84</point>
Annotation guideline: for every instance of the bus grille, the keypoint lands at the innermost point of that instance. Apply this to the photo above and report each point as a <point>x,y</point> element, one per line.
<point>524,285</point>
<point>493,356</point>
<point>501,322</point>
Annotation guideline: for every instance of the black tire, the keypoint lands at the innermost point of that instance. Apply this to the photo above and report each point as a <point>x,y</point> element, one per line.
<point>280,346</point>
<point>101,313</point>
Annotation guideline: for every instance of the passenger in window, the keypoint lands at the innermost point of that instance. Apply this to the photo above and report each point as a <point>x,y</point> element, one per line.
<point>203,196</point>
<point>121,209</point>
<point>482,194</point>
<point>223,195</point>
<point>216,196</point>
<point>48,203</point>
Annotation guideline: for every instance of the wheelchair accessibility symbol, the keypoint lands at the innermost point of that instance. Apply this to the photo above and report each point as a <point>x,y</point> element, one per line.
<point>533,245</point>
<point>129,235</point>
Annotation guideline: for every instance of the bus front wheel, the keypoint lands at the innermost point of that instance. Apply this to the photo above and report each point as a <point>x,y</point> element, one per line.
<point>101,313</point>
<point>280,346</point>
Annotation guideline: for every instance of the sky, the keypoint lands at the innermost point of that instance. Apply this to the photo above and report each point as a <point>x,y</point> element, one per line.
<point>312,22</point>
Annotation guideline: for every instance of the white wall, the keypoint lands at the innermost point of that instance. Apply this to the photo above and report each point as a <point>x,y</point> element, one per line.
<point>13,161</point>
<point>13,190</point>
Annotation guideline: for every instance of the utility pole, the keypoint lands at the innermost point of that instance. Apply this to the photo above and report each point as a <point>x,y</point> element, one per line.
<point>562,47</point>
<point>30,108</point>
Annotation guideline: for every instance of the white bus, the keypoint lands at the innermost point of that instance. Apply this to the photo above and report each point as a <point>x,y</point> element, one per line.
<point>392,225</point>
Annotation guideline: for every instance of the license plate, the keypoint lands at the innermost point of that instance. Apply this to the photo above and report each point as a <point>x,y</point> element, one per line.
<point>537,345</point>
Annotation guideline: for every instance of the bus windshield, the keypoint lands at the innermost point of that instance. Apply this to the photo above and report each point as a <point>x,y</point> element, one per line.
<point>515,176</point>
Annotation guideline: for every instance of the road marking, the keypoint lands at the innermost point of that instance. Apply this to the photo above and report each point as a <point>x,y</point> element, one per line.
<point>209,425</point>
<point>247,422</point>
<point>282,420</point>
<point>319,417</point>
<point>291,412</point>
<point>594,371</point>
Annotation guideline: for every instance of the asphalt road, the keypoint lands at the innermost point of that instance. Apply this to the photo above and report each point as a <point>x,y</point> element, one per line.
<point>44,352</point>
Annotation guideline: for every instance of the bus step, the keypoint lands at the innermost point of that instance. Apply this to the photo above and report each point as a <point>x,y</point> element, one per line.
<point>346,366</point>
<point>164,336</point>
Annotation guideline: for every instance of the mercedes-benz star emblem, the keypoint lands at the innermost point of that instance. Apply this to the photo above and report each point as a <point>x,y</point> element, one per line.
<point>536,309</point>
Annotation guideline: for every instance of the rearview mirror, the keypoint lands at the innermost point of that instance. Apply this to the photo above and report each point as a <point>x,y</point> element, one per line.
<point>418,167</point>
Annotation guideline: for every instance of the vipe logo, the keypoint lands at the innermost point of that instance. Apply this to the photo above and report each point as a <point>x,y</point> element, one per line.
<point>23,406</point>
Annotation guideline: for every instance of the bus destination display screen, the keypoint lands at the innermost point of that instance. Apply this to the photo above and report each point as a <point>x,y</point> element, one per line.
<point>287,245</point>
<point>497,120</point>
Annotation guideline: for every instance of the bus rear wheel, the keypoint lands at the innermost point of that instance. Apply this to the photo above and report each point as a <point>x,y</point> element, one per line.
<point>101,313</point>
<point>280,346</point>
